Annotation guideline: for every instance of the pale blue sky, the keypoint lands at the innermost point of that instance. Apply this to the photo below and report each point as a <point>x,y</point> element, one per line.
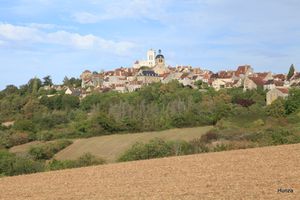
<point>65,37</point>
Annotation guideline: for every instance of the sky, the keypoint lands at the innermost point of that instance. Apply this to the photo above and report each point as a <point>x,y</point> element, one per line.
<point>63,38</point>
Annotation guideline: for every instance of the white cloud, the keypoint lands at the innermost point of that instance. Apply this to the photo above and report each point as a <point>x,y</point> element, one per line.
<point>86,18</point>
<point>106,10</point>
<point>47,26</point>
<point>23,34</point>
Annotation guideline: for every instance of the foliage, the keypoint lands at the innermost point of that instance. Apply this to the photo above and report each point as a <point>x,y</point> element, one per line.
<point>293,101</point>
<point>291,72</point>
<point>48,150</point>
<point>86,159</point>
<point>11,165</point>
<point>209,136</point>
<point>276,109</point>
<point>155,148</point>
<point>47,81</point>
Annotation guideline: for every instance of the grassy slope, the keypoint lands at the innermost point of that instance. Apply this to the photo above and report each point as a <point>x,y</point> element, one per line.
<point>242,174</point>
<point>111,146</point>
<point>24,148</point>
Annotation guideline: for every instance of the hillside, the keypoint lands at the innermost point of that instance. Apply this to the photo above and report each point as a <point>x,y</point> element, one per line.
<point>111,146</point>
<point>241,174</point>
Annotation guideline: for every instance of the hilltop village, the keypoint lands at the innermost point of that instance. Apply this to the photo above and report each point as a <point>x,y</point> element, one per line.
<point>154,69</point>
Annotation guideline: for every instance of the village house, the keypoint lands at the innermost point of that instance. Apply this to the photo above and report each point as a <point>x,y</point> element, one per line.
<point>295,79</point>
<point>185,80</point>
<point>244,71</point>
<point>271,84</point>
<point>147,77</point>
<point>276,93</point>
<point>265,76</point>
<point>252,83</point>
<point>73,91</point>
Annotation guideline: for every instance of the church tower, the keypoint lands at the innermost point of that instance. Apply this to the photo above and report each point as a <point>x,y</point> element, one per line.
<point>160,64</point>
<point>151,57</point>
<point>160,59</point>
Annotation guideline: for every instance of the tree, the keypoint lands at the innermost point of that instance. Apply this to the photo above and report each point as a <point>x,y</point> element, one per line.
<point>74,82</point>
<point>10,89</point>
<point>47,81</point>
<point>291,72</point>
<point>34,85</point>
<point>293,101</point>
<point>66,81</point>
<point>276,109</point>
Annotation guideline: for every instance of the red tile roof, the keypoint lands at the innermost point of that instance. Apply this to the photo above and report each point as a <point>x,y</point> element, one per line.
<point>242,70</point>
<point>280,77</point>
<point>257,80</point>
<point>283,90</point>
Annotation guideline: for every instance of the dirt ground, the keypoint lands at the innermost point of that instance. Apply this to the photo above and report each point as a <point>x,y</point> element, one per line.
<point>242,174</point>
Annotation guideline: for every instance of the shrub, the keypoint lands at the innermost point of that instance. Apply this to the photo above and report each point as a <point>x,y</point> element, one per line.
<point>24,125</point>
<point>209,136</point>
<point>24,165</point>
<point>61,164</point>
<point>221,147</point>
<point>258,123</point>
<point>48,150</point>
<point>274,137</point>
<point>156,148</point>
<point>44,135</point>
<point>86,159</point>
<point>276,109</point>
<point>11,165</point>
<point>180,147</point>
<point>198,146</point>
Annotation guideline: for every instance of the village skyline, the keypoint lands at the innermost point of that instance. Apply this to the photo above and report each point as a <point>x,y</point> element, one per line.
<point>150,62</point>
<point>51,37</point>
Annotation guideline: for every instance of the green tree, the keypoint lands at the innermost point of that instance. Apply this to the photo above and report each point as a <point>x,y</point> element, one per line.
<point>47,81</point>
<point>291,72</point>
<point>276,109</point>
<point>293,102</point>
<point>34,85</point>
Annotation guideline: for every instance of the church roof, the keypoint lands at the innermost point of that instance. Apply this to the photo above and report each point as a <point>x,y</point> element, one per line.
<point>148,73</point>
<point>159,55</point>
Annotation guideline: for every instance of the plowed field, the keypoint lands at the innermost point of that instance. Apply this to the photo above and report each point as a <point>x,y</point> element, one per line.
<point>242,174</point>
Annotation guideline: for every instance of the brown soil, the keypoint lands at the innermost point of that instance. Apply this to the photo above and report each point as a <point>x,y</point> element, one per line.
<point>243,174</point>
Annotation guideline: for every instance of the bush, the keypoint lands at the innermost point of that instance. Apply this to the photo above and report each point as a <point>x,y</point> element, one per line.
<point>198,146</point>
<point>44,135</point>
<point>258,123</point>
<point>24,125</point>
<point>23,165</point>
<point>61,164</point>
<point>221,147</point>
<point>48,150</point>
<point>180,147</point>
<point>11,165</point>
<point>209,136</point>
<point>276,109</point>
<point>274,137</point>
<point>156,148</point>
<point>86,159</point>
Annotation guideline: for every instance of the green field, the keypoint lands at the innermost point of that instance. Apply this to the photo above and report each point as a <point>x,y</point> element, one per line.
<point>111,146</point>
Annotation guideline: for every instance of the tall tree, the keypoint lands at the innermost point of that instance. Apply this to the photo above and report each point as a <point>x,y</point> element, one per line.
<point>47,81</point>
<point>291,72</point>
<point>34,85</point>
<point>66,81</point>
